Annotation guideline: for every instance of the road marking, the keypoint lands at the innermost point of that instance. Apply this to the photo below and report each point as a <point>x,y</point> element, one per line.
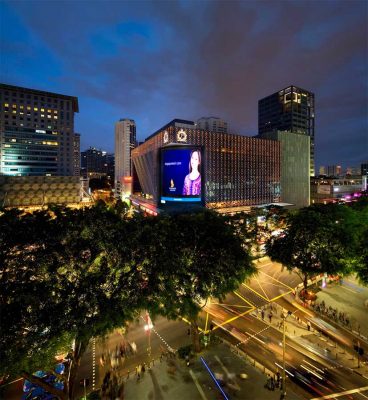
<point>232,319</point>
<point>200,390</point>
<point>259,284</point>
<point>244,299</point>
<point>334,395</point>
<point>254,291</point>
<point>282,283</point>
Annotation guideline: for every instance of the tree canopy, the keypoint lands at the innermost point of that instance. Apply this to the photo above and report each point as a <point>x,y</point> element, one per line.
<point>318,239</point>
<point>74,274</point>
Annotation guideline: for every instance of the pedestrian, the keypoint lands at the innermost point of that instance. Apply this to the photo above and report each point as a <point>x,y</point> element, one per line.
<point>143,368</point>
<point>308,326</point>
<point>139,369</point>
<point>270,316</point>
<point>262,314</point>
<point>272,383</point>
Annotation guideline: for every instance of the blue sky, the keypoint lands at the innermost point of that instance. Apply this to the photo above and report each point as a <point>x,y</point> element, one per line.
<point>153,61</point>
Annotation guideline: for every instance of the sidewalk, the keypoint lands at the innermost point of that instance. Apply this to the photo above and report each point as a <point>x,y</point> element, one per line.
<point>349,298</point>
<point>172,379</point>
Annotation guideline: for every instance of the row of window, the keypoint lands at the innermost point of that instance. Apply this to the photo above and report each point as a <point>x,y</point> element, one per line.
<point>36,98</point>
<point>21,107</point>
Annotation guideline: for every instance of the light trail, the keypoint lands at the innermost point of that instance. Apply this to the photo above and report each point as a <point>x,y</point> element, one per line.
<point>341,394</point>
<point>214,378</point>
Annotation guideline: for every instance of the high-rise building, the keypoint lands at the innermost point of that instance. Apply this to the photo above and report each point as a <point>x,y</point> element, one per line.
<point>354,171</point>
<point>110,161</point>
<point>77,154</point>
<point>322,170</point>
<point>333,170</point>
<point>364,169</point>
<point>36,132</point>
<point>125,142</point>
<point>294,161</point>
<point>212,124</point>
<point>93,163</point>
<point>290,109</point>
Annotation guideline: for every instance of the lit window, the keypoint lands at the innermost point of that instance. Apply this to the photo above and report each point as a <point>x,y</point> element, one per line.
<point>14,106</point>
<point>48,116</point>
<point>28,107</point>
<point>42,109</point>
<point>55,111</point>
<point>35,108</point>
<point>13,140</point>
<point>7,145</point>
<point>48,111</point>
<point>14,111</point>
<point>42,115</point>
<point>55,117</point>
<point>21,107</point>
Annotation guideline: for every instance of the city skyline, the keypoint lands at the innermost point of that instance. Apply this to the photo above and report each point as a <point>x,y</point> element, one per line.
<point>153,62</point>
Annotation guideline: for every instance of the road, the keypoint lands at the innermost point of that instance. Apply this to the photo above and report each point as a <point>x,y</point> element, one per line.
<point>318,367</point>
<point>310,358</point>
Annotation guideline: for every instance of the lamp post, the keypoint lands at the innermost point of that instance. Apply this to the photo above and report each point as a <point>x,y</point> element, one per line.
<point>283,395</point>
<point>147,327</point>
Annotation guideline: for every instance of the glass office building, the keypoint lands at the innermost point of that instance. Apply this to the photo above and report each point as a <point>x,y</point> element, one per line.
<point>290,109</point>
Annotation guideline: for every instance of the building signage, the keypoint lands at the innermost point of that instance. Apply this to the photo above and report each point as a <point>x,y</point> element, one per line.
<point>181,174</point>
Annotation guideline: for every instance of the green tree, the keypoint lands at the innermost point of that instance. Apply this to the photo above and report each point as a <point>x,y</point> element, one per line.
<point>69,275</point>
<point>193,257</point>
<point>317,239</point>
<point>361,261</point>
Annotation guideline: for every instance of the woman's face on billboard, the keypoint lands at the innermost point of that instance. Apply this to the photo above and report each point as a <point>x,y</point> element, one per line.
<point>194,160</point>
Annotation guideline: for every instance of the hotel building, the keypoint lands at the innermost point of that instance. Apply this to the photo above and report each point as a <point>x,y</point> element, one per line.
<point>37,132</point>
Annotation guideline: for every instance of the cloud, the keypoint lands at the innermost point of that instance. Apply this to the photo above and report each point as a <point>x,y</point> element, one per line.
<point>154,61</point>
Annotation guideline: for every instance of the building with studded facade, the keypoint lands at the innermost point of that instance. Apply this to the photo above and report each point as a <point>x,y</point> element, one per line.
<point>239,171</point>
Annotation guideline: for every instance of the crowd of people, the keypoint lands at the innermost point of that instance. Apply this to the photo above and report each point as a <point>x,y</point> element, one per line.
<point>115,358</point>
<point>333,313</point>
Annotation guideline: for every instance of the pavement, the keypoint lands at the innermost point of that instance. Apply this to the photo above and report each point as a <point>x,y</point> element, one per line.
<point>173,379</point>
<point>350,298</point>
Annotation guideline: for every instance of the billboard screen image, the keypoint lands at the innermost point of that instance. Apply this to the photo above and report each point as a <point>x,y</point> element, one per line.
<point>181,174</point>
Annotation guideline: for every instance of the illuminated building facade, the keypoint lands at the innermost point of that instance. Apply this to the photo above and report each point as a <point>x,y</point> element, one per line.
<point>94,163</point>
<point>36,191</point>
<point>329,190</point>
<point>125,142</point>
<point>290,109</point>
<point>36,132</point>
<point>77,154</point>
<point>239,171</point>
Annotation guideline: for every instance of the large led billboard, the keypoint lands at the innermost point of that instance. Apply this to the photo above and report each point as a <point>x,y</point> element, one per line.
<point>182,174</point>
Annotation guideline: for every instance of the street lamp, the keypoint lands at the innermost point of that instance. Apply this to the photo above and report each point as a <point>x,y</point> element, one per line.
<point>147,327</point>
<point>283,316</point>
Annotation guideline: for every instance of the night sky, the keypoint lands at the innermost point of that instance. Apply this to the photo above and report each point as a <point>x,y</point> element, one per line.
<point>155,61</point>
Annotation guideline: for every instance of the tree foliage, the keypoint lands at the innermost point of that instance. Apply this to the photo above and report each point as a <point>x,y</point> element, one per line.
<point>318,239</point>
<point>76,274</point>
